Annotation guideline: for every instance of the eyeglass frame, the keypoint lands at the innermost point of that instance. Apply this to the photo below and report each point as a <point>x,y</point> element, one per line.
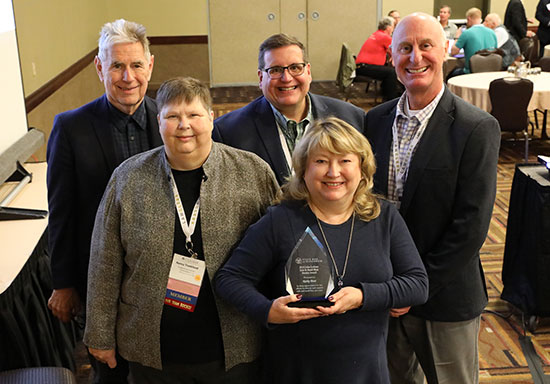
<point>266,70</point>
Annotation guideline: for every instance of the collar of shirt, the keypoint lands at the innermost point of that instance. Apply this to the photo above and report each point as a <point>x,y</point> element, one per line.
<point>424,114</point>
<point>282,120</point>
<point>120,119</point>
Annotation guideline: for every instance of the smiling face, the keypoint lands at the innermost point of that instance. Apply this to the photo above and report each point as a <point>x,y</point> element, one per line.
<point>186,130</point>
<point>396,16</point>
<point>444,14</point>
<point>125,75</point>
<point>419,49</point>
<point>332,178</point>
<point>288,93</point>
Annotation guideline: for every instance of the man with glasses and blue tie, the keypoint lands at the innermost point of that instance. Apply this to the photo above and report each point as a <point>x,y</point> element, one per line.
<point>271,125</point>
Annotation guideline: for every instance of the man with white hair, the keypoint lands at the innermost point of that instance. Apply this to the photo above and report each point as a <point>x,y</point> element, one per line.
<point>436,159</point>
<point>505,41</point>
<point>85,146</point>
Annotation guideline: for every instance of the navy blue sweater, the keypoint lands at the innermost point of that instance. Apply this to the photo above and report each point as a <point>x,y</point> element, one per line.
<point>347,348</point>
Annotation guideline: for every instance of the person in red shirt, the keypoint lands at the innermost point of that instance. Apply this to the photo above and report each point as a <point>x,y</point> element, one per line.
<point>371,60</point>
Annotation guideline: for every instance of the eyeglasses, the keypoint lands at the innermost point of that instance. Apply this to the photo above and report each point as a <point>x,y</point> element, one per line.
<point>294,70</point>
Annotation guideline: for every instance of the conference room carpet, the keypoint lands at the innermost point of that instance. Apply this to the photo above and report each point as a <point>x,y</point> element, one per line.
<point>501,358</point>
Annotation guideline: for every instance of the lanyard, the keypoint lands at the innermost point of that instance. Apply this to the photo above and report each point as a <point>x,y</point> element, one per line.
<point>188,228</point>
<point>402,168</point>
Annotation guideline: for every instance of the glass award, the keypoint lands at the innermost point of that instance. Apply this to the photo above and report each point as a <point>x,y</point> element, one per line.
<point>309,272</point>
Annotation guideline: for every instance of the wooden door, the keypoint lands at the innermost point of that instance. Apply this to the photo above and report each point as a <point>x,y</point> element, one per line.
<point>237,28</point>
<point>331,23</point>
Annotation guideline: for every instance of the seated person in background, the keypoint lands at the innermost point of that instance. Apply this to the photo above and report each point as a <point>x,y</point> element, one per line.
<point>371,60</point>
<point>505,41</point>
<point>376,264</point>
<point>473,39</point>
<point>395,15</point>
<point>449,27</point>
<point>167,221</point>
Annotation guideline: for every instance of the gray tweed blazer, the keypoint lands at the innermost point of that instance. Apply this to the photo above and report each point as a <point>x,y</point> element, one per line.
<point>132,249</point>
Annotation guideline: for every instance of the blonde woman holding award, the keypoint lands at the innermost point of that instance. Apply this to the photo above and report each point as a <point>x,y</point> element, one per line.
<point>329,233</point>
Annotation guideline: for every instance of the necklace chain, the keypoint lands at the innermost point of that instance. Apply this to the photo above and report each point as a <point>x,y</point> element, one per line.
<point>338,275</point>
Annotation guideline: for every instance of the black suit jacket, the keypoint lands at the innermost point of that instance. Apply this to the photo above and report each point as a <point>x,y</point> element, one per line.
<point>81,157</point>
<point>543,16</point>
<point>515,19</point>
<point>447,200</point>
<point>253,128</point>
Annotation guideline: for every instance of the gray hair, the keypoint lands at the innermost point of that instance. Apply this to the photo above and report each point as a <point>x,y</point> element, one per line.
<point>277,41</point>
<point>385,22</point>
<point>183,89</point>
<point>494,18</point>
<point>119,32</point>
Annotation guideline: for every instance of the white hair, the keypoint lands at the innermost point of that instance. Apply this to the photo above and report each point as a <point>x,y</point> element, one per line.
<point>122,31</point>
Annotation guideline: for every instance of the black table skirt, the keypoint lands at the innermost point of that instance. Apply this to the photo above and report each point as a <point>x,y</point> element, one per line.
<point>30,336</point>
<point>526,264</point>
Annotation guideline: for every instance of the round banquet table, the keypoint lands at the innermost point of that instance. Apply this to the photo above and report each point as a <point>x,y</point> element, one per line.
<point>474,88</point>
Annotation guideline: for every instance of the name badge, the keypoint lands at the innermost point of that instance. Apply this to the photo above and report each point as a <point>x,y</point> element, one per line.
<point>184,282</point>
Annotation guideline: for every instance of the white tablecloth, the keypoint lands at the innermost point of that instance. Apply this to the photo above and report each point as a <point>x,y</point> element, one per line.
<point>19,237</point>
<point>474,88</point>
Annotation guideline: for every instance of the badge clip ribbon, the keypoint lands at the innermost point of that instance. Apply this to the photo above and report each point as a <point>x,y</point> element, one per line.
<point>186,273</point>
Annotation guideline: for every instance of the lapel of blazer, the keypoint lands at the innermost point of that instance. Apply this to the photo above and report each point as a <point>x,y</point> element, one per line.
<point>382,145</point>
<point>318,108</point>
<point>267,130</point>
<point>152,123</point>
<point>437,130</point>
<point>103,131</point>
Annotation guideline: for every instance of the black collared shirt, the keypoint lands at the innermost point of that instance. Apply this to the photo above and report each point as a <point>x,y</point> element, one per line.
<point>129,131</point>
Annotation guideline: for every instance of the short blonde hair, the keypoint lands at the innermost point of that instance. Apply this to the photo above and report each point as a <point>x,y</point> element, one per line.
<point>335,136</point>
<point>473,13</point>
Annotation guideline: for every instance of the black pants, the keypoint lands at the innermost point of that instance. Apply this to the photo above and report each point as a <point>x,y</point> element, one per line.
<point>206,373</point>
<point>105,375</point>
<point>391,88</point>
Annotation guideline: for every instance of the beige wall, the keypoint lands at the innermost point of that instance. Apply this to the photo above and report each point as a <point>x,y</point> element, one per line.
<point>164,17</point>
<point>81,89</point>
<point>407,7</point>
<point>54,35</point>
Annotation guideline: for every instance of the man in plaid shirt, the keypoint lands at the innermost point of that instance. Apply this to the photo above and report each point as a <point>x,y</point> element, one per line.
<point>437,158</point>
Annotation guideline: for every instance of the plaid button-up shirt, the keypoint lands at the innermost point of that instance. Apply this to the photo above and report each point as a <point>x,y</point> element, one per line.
<point>409,126</point>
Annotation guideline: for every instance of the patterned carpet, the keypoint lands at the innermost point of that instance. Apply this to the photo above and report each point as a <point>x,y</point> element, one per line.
<point>501,357</point>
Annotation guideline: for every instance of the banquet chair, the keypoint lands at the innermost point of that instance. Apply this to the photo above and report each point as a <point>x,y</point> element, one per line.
<point>346,75</point>
<point>485,62</point>
<point>544,63</point>
<point>510,97</point>
<point>38,375</point>
<point>529,48</point>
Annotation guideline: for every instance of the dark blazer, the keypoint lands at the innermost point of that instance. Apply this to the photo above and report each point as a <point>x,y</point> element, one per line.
<point>515,19</point>
<point>543,16</point>
<point>81,157</point>
<point>447,200</point>
<point>253,128</point>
